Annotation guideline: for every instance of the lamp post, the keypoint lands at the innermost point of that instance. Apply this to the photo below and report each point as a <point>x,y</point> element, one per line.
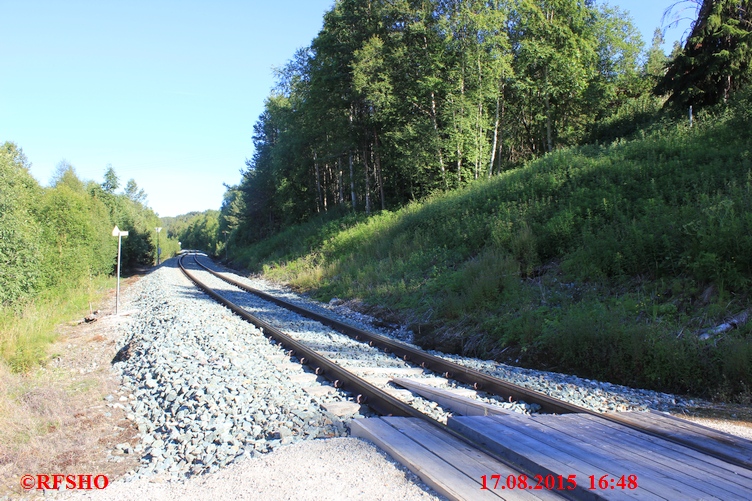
<point>159,251</point>
<point>120,234</point>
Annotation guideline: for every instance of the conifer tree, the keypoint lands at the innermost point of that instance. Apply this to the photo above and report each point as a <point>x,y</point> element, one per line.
<point>715,60</point>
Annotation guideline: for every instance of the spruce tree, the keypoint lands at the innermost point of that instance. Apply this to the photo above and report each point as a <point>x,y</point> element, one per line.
<point>715,61</point>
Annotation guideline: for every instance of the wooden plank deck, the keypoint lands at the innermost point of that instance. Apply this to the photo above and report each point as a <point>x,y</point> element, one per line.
<point>450,399</point>
<point>715,442</point>
<point>564,445</point>
<point>699,471</point>
<point>586,445</point>
<point>448,465</point>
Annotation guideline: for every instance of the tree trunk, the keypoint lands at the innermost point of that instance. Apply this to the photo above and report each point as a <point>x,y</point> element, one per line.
<point>318,183</point>
<point>497,123</point>
<point>460,128</point>
<point>327,176</point>
<point>368,180</point>
<point>437,136</point>
<point>377,162</point>
<point>549,133</point>
<point>479,136</point>
<point>340,182</point>
<point>435,123</point>
<point>495,137</point>
<point>352,180</point>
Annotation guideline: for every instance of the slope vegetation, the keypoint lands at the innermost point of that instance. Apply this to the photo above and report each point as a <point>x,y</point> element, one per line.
<point>609,261</point>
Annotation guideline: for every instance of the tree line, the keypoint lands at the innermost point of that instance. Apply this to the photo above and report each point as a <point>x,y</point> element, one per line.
<point>59,235</point>
<point>195,230</point>
<point>394,100</point>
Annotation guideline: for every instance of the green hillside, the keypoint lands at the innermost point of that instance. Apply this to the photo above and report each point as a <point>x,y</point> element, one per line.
<point>609,261</point>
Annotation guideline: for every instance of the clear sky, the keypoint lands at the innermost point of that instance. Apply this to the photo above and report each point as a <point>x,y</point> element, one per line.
<point>165,91</point>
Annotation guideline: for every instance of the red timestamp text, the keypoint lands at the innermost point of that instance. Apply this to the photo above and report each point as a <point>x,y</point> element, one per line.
<point>522,481</point>
<point>556,482</point>
<point>628,482</point>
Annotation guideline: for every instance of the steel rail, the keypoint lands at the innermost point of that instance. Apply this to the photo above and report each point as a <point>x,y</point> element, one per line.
<point>375,398</point>
<point>476,379</point>
<point>450,370</point>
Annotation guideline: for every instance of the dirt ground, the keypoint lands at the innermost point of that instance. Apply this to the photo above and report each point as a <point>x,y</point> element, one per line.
<point>67,417</point>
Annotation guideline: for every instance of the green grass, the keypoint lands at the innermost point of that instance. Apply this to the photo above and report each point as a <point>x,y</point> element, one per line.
<point>27,330</point>
<point>603,260</point>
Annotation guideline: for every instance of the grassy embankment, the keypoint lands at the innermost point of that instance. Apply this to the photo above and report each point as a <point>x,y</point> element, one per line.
<point>27,329</point>
<point>605,261</point>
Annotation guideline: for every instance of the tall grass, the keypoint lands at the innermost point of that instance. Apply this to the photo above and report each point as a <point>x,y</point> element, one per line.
<point>604,260</point>
<point>27,330</point>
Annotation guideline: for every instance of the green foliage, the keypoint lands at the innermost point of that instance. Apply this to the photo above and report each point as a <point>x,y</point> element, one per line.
<point>57,240</point>
<point>394,101</point>
<point>635,116</point>
<point>589,260</point>
<point>76,236</point>
<point>196,230</point>
<point>20,231</point>
<point>111,181</point>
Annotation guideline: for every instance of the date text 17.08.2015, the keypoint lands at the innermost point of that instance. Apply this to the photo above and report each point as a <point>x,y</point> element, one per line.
<point>557,482</point>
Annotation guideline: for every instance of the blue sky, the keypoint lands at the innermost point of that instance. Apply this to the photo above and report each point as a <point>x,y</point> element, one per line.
<point>165,91</point>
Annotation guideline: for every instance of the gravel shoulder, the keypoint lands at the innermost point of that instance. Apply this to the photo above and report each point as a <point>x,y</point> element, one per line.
<point>334,469</point>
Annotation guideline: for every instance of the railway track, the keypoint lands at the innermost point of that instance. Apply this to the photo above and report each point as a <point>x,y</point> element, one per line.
<point>345,379</point>
<point>411,356</point>
<point>337,357</point>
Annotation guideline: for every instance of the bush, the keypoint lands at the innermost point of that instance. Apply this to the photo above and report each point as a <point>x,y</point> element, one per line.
<point>56,240</point>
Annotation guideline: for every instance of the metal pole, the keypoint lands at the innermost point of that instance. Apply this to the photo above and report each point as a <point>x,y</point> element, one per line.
<point>117,294</point>
<point>158,249</point>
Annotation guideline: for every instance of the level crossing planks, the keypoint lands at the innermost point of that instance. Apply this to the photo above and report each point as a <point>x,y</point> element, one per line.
<point>450,466</point>
<point>588,446</point>
<point>723,445</point>
<point>658,462</point>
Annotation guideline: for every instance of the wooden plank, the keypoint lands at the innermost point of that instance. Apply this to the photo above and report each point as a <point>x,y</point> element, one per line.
<point>704,461</point>
<point>531,454</point>
<point>637,455</point>
<point>692,434</point>
<point>433,470</point>
<point>599,460</point>
<point>462,456</point>
<point>440,382</point>
<point>456,403</point>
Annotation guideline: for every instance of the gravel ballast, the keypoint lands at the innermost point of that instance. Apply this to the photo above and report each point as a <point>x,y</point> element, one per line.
<point>222,414</point>
<point>595,395</point>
